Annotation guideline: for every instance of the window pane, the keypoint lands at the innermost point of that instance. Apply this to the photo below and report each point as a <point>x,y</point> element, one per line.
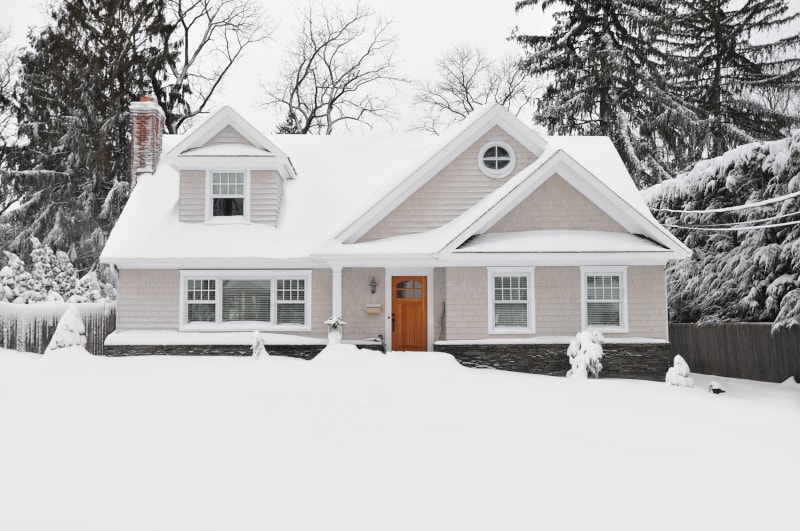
<point>603,314</point>
<point>291,314</point>
<point>291,289</point>
<point>511,314</point>
<point>246,300</point>
<point>224,206</point>
<point>201,312</point>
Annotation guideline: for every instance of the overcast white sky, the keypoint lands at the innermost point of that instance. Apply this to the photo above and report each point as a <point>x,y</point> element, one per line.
<point>426,28</point>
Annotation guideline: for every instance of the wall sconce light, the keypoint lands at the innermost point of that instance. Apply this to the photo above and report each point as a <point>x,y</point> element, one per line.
<point>373,285</point>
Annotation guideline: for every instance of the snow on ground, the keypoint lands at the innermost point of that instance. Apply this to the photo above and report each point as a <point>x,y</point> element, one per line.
<point>359,440</point>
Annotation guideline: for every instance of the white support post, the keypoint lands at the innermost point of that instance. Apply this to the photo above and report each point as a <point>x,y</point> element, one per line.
<point>337,291</point>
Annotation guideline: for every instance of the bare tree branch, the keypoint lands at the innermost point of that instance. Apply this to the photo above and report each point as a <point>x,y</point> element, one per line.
<point>339,71</point>
<point>211,36</point>
<point>8,130</point>
<point>468,79</point>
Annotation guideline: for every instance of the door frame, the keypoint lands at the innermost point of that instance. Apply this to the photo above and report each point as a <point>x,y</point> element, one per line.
<point>426,272</point>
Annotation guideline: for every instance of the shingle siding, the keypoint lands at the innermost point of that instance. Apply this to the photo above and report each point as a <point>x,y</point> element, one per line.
<point>266,196</point>
<point>228,135</point>
<point>556,205</point>
<point>449,193</point>
<point>355,296</point>
<point>192,198</point>
<point>148,299</point>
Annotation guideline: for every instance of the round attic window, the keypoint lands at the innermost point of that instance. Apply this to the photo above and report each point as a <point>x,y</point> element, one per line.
<point>496,159</point>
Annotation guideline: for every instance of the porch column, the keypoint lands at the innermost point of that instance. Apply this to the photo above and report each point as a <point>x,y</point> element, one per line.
<point>337,290</point>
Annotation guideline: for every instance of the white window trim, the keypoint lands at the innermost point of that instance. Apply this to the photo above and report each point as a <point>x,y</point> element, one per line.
<point>502,172</point>
<point>256,274</point>
<point>210,197</point>
<point>622,271</point>
<point>518,271</point>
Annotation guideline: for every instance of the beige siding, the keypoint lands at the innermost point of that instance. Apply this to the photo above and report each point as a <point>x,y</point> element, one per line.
<point>647,302</point>
<point>229,135</point>
<point>556,205</point>
<point>466,308</point>
<point>557,301</point>
<point>449,193</point>
<point>266,195</point>
<point>355,296</point>
<point>148,299</point>
<point>192,197</point>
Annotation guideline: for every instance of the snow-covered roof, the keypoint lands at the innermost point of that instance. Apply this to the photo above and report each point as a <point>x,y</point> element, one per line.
<point>338,180</point>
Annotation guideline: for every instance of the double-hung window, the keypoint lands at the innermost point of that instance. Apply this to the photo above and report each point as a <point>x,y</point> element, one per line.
<point>246,300</point>
<point>604,304</point>
<point>510,301</point>
<point>228,193</point>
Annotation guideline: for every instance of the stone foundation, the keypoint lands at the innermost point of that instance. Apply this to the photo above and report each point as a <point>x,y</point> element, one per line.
<point>305,352</point>
<point>644,361</point>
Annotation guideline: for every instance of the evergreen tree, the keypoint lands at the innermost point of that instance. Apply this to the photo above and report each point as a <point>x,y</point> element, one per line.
<point>721,60</point>
<point>75,87</point>
<point>745,263</point>
<point>603,70</point>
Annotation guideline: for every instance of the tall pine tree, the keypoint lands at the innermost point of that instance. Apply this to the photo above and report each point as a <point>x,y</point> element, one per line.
<point>603,71</point>
<point>75,87</point>
<point>722,53</point>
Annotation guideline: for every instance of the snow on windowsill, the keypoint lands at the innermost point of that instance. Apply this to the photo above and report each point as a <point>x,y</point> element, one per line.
<point>173,337</point>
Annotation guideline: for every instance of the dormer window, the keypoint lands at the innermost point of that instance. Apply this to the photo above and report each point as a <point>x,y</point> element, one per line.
<point>227,194</point>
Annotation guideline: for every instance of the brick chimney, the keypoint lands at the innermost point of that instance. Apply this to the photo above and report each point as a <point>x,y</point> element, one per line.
<point>147,125</point>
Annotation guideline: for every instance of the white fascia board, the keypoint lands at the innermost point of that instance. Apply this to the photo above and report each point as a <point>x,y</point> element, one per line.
<point>398,262</point>
<point>555,259</point>
<point>248,162</point>
<point>498,116</point>
<point>213,263</point>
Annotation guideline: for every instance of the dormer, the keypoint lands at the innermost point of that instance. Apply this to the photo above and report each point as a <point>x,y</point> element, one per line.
<point>229,172</point>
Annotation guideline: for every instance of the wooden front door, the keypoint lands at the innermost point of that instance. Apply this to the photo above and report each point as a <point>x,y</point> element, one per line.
<point>409,313</point>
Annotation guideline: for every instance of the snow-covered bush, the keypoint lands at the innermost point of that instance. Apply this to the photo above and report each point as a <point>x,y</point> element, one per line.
<point>335,330</point>
<point>259,350</point>
<point>678,374</point>
<point>70,331</point>
<point>52,278</point>
<point>585,353</point>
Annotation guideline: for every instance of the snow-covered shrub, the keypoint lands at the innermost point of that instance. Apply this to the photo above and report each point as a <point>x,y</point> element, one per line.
<point>585,353</point>
<point>678,374</point>
<point>70,331</point>
<point>87,289</point>
<point>259,350</point>
<point>335,330</point>
<point>17,282</point>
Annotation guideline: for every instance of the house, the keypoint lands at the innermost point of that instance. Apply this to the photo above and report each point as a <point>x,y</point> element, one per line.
<point>493,243</point>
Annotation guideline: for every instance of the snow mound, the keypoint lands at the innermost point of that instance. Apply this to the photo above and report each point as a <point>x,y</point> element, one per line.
<point>70,331</point>
<point>343,354</point>
<point>678,374</point>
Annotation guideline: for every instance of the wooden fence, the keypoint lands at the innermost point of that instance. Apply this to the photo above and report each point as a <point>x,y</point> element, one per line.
<point>29,327</point>
<point>738,350</point>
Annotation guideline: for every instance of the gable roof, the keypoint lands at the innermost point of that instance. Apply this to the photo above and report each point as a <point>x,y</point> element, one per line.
<point>192,150</point>
<point>444,151</point>
<point>343,180</point>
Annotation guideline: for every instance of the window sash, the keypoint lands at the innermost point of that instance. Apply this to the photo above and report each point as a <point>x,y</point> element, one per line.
<point>510,301</point>
<point>604,299</point>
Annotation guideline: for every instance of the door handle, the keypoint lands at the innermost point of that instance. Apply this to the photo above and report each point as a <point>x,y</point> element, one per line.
<point>393,323</point>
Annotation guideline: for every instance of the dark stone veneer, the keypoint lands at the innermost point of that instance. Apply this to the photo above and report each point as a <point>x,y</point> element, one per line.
<point>305,352</point>
<point>646,361</point>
